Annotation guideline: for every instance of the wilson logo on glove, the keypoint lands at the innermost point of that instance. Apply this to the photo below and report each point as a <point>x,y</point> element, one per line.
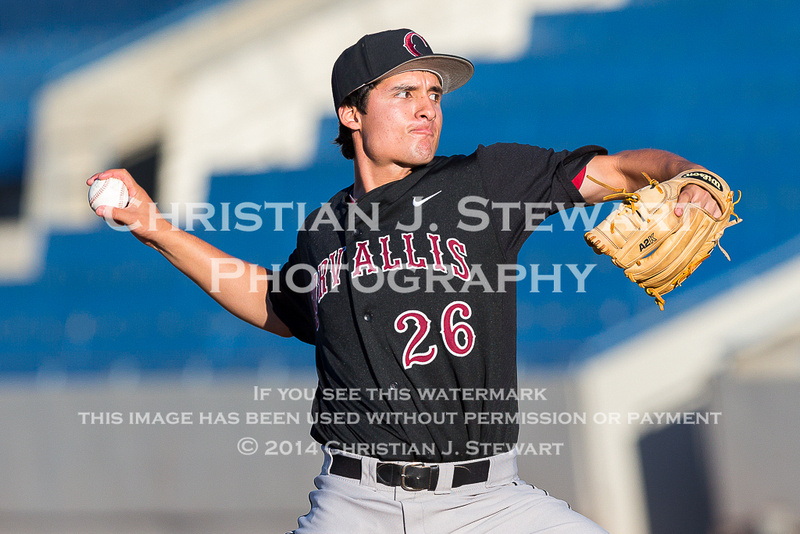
<point>706,178</point>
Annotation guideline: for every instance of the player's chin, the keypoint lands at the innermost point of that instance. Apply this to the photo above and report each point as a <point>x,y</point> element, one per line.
<point>423,152</point>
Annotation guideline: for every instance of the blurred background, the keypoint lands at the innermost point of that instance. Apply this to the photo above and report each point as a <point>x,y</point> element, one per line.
<point>691,421</point>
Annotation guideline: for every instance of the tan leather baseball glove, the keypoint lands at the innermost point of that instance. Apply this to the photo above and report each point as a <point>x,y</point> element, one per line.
<point>657,249</point>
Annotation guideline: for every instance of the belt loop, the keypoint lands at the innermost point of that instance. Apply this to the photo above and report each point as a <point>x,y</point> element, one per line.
<point>445,483</point>
<point>327,460</point>
<point>502,469</point>
<point>369,472</point>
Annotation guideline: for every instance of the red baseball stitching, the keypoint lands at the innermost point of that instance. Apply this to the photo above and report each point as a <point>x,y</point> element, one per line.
<point>99,191</point>
<point>120,203</point>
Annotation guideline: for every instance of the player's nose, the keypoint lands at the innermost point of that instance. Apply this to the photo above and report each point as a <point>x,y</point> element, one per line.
<point>426,108</point>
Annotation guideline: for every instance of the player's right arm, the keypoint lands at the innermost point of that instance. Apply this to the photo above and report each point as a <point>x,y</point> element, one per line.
<point>244,296</point>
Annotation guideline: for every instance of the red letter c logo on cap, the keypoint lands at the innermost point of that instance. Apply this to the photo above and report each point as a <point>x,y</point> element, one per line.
<point>409,43</point>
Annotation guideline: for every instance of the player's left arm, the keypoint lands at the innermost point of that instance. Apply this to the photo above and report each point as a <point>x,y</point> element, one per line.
<point>624,170</point>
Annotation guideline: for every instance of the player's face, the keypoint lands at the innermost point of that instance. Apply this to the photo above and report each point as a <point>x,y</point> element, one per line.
<point>403,119</point>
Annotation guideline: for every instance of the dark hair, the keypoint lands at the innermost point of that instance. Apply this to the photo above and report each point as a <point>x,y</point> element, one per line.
<point>357,99</point>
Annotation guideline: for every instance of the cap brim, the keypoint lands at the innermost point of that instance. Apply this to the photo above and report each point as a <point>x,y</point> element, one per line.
<point>453,71</point>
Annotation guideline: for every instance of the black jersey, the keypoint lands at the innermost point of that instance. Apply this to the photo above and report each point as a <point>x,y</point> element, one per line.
<point>406,295</point>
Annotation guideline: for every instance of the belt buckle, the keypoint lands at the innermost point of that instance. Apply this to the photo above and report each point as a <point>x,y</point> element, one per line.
<point>403,476</point>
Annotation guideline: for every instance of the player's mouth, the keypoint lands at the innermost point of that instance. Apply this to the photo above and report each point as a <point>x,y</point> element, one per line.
<point>421,131</point>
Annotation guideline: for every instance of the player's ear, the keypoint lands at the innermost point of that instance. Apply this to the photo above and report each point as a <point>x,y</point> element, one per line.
<point>350,116</point>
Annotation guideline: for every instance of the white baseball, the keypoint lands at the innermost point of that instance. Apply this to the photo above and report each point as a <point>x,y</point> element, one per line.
<point>108,192</point>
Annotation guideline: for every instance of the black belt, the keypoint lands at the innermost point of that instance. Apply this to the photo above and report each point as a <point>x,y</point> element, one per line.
<point>411,476</point>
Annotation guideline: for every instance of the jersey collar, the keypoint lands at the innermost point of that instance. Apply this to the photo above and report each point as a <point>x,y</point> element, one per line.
<point>389,193</point>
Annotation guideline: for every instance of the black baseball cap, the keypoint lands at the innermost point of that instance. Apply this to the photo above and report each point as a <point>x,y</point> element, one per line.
<point>384,54</point>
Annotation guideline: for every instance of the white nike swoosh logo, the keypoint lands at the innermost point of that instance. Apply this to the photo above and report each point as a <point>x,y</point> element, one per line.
<point>418,201</point>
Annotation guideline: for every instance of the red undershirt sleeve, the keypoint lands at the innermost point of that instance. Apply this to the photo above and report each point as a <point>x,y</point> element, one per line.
<point>578,180</point>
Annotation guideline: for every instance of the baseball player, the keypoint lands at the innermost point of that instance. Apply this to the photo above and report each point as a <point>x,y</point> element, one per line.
<point>403,282</point>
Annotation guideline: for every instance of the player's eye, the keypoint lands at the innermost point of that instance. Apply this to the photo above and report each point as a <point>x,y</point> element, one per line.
<point>436,97</point>
<point>403,94</point>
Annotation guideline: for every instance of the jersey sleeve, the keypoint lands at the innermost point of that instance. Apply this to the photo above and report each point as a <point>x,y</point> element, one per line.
<point>291,301</point>
<point>532,182</point>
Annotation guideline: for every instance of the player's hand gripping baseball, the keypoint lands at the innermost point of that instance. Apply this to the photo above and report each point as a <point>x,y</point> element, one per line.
<point>141,216</point>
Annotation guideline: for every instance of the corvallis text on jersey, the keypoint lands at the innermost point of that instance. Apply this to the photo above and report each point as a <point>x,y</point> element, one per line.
<point>329,271</point>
